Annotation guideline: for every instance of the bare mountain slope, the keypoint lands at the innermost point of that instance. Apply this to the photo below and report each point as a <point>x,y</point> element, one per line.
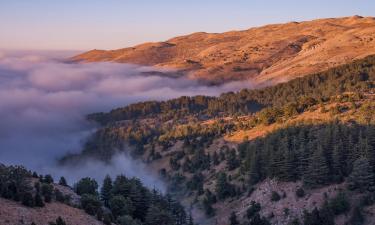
<point>275,53</point>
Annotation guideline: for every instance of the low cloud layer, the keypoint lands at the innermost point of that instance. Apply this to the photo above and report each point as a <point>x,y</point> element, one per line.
<point>43,102</point>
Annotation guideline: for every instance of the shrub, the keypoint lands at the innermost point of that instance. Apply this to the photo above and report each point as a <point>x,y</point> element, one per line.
<point>86,186</point>
<point>275,196</point>
<point>28,200</point>
<point>253,209</point>
<point>90,203</point>
<point>300,192</point>
<point>339,204</point>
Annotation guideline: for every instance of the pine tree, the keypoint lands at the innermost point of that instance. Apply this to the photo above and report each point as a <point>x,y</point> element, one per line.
<point>317,173</point>
<point>255,174</point>
<point>361,177</point>
<point>48,179</point>
<point>106,190</point>
<point>232,162</point>
<point>357,217</point>
<point>223,188</point>
<point>38,200</point>
<point>62,181</point>
<point>215,159</point>
<point>28,200</point>
<point>233,219</point>
<point>60,221</point>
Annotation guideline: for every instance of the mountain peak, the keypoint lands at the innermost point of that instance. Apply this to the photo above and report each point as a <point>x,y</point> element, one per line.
<point>276,52</point>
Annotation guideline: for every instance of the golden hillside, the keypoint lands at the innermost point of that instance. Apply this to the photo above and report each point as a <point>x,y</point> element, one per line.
<point>275,53</point>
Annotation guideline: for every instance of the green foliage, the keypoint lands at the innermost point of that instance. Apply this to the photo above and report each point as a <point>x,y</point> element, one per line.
<point>86,186</point>
<point>208,200</point>
<point>258,220</point>
<point>121,206</point>
<point>275,197</point>
<point>106,190</point>
<point>47,192</point>
<point>300,192</point>
<point>319,217</point>
<point>128,220</point>
<point>38,200</point>
<point>361,177</point>
<point>233,219</point>
<point>339,204</point>
<point>223,188</point>
<point>253,209</point>
<point>63,182</point>
<point>48,179</point>
<point>60,221</point>
<point>272,104</point>
<point>357,217</point>
<point>232,161</point>
<point>90,203</point>
<point>28,200</point>
<point>157,216</point>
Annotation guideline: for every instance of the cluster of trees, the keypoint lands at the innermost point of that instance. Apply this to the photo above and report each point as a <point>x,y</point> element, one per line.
<point>317,154</point>
<point>356,76</point>
<point>178,119</point>
<point>16,183</point>
<point>129,203</point>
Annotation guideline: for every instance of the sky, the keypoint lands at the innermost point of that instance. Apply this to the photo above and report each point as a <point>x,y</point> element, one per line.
<point>111,24</point>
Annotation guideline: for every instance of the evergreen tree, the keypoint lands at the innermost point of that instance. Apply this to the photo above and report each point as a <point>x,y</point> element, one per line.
<point>361,177</point>
<point>48,179</point>
<point>86,186</point>
<point>317,173</point>
<point>215,159</point>
<point>106,190</point>
<point>28,200</point>
<point>90,203</point>
<point>62,181</point>
<point>233,219</point>
<point>60,221</point>
<point>38,200</point>
<point>120,206</point>
<point>357,217</point>
<point>223,188</point>
<point>255,174</point>
<point>232,162</point>
<point>158,216</point>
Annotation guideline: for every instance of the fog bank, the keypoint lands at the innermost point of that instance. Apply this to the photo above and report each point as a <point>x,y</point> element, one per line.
<point>43,102</point>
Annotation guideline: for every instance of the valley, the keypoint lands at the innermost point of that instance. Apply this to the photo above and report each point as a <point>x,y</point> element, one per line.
<point>241,148</point>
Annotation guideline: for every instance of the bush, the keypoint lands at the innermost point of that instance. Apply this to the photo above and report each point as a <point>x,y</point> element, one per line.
<point>47,191</point>
<point>357,217</point>
<point>300,192</point>
<point>86,186</point>
<point>339,204</point>
<point>28,200</point>
<point>120,206</point>
<point>128,220</point>
<point>38,200</point>
<point>48,179</point>
<point>90,203</point>
<point>275,196</point>
<point>253,209</point>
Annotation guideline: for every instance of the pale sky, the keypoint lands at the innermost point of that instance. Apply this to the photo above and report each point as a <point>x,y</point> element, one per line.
<point>111,24</point>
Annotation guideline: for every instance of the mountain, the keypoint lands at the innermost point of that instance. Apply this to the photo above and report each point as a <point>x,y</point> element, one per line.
<point>274,53</point>
<point>299,152</point>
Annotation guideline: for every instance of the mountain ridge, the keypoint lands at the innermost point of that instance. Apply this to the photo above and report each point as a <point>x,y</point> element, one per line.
<point>272,53</point>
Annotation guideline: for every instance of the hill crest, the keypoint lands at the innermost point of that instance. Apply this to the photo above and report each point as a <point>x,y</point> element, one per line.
<point>276,52</point>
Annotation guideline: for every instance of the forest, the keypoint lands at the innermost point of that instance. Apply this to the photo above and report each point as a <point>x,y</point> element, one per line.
<point>123,201</point>
<point>340,150</point>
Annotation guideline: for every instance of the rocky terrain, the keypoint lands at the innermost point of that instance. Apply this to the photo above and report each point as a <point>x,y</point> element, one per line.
<point>277,52</point>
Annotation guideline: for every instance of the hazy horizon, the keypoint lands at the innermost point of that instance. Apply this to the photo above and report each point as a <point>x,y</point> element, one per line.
<point>82,25</point>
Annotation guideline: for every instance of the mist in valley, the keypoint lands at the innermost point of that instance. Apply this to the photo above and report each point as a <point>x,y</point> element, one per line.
<point>43,103</point>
